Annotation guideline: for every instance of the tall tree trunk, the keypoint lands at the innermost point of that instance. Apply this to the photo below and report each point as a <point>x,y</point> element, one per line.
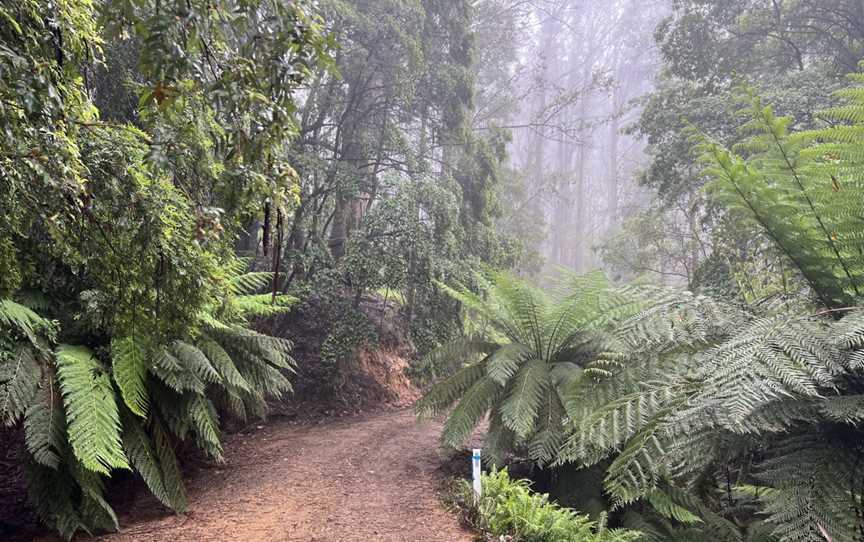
<point>613,180</point>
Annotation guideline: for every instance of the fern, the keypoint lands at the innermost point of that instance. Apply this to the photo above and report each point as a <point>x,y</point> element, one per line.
<point>535,346</point>
<point>130,357</point>
<point>19,383</point>
<point>22,319</point>
<point>147,462</point>
<point>45,428</point>
<point>91,410</point>
<point>519,411</point>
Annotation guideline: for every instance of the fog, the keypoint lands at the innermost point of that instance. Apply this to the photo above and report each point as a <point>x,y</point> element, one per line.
<point>575,74</point>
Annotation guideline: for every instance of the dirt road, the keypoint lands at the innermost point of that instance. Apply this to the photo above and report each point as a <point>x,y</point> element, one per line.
<point>364,479</point>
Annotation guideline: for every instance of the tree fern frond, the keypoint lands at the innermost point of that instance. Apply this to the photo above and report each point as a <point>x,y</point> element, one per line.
<point>638,468</point>
<point>45,427</point>
<point>443,395</point>
<point>249,283</point>
<point>460,351</point>
<point>172,372</point>
<point>222,362</point>
<point>130,360</point>
<point>205,424</point>
<point>95,511</point>
<point>91,411</point>
<point>667,506</point>
<point>143,457</point>
<point>19,317</point>
<point>19,382</point>
<point>53,491</point>
<point>519,411</point>
<point>506,360</point>
<point>252,306</point>
<point>470,410</point>
<point>194,361</point>
<point>175,491</point>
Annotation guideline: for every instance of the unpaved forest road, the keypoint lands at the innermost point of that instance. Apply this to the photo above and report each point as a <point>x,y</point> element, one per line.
<point>368,479</point>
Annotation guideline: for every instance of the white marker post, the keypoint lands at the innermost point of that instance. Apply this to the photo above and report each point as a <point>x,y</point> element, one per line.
<point>475,469</point>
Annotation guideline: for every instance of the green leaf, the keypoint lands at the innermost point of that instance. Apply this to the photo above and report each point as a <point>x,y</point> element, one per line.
<point>91,410</point>
<point>130,362</point>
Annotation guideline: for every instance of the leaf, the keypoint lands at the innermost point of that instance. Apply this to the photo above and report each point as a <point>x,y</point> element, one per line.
<point>19,382</point>
<point>91,410</point>
<point>130,362</point>
<point>519,411</point>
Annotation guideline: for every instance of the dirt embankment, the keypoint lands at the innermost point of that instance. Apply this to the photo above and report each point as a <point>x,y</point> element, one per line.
<point>373,375</point>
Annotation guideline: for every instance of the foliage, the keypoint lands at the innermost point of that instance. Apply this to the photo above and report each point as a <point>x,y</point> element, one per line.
<point>750,412</point>
<point>124,317</point>
<point>531,349</point>
<point>396,191</point>
<point>732,419</point>
<point>88,413</point>
<point>509,508</point>
<point>795,55</point>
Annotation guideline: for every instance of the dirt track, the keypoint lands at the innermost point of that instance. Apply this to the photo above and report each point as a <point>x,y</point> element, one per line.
<point>363,479</point>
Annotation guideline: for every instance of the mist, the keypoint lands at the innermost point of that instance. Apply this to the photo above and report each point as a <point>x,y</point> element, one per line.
<point>568,87</point>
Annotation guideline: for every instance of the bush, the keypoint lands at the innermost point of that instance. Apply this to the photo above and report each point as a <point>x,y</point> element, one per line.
<point>509,508</point>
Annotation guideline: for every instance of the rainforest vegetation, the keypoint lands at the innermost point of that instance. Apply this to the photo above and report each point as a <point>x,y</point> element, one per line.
<point>625,240</point>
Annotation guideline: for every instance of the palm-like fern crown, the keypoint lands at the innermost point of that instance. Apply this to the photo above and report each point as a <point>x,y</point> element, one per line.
<point>88,412</point>
<point>536,346</point>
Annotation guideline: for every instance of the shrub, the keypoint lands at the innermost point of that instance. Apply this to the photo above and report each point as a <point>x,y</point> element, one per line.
<point>509,508</point>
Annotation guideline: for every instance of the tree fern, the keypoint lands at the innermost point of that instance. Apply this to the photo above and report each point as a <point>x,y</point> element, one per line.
<point>534,346</point>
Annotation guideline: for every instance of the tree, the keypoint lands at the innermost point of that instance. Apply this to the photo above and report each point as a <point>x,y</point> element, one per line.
<point>124,316</point>
<point>747,416</point>
<point>530,349</point>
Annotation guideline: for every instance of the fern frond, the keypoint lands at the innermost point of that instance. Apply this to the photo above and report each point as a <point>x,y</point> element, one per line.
<point>19,382</point>
<point>195,362</point>
<point>45,427</point>
<point>262,305</point>
<point>205,424</point>
<point>19,317</point>
<point>442,396</point>
<point>249,283</point>
<point>95,511</point>
<point>222,362</point>
<point>175,491</point>
<point>472,407</point>
<point>525,394</point>
<point>91,411</point>
<point>144,459</point>
<point>53,492</point>
<point>130,360</point>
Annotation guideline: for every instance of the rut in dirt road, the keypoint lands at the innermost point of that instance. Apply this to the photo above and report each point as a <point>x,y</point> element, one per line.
<point>368,479</point>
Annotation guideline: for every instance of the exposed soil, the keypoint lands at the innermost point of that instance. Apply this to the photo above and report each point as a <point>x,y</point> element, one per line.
<point>369,478</point>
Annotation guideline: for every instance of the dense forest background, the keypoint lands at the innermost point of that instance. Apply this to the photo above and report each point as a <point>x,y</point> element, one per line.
<point>627,234</point>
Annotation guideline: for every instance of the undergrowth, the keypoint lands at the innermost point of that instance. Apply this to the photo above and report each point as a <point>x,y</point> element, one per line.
<point>510,510</point>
